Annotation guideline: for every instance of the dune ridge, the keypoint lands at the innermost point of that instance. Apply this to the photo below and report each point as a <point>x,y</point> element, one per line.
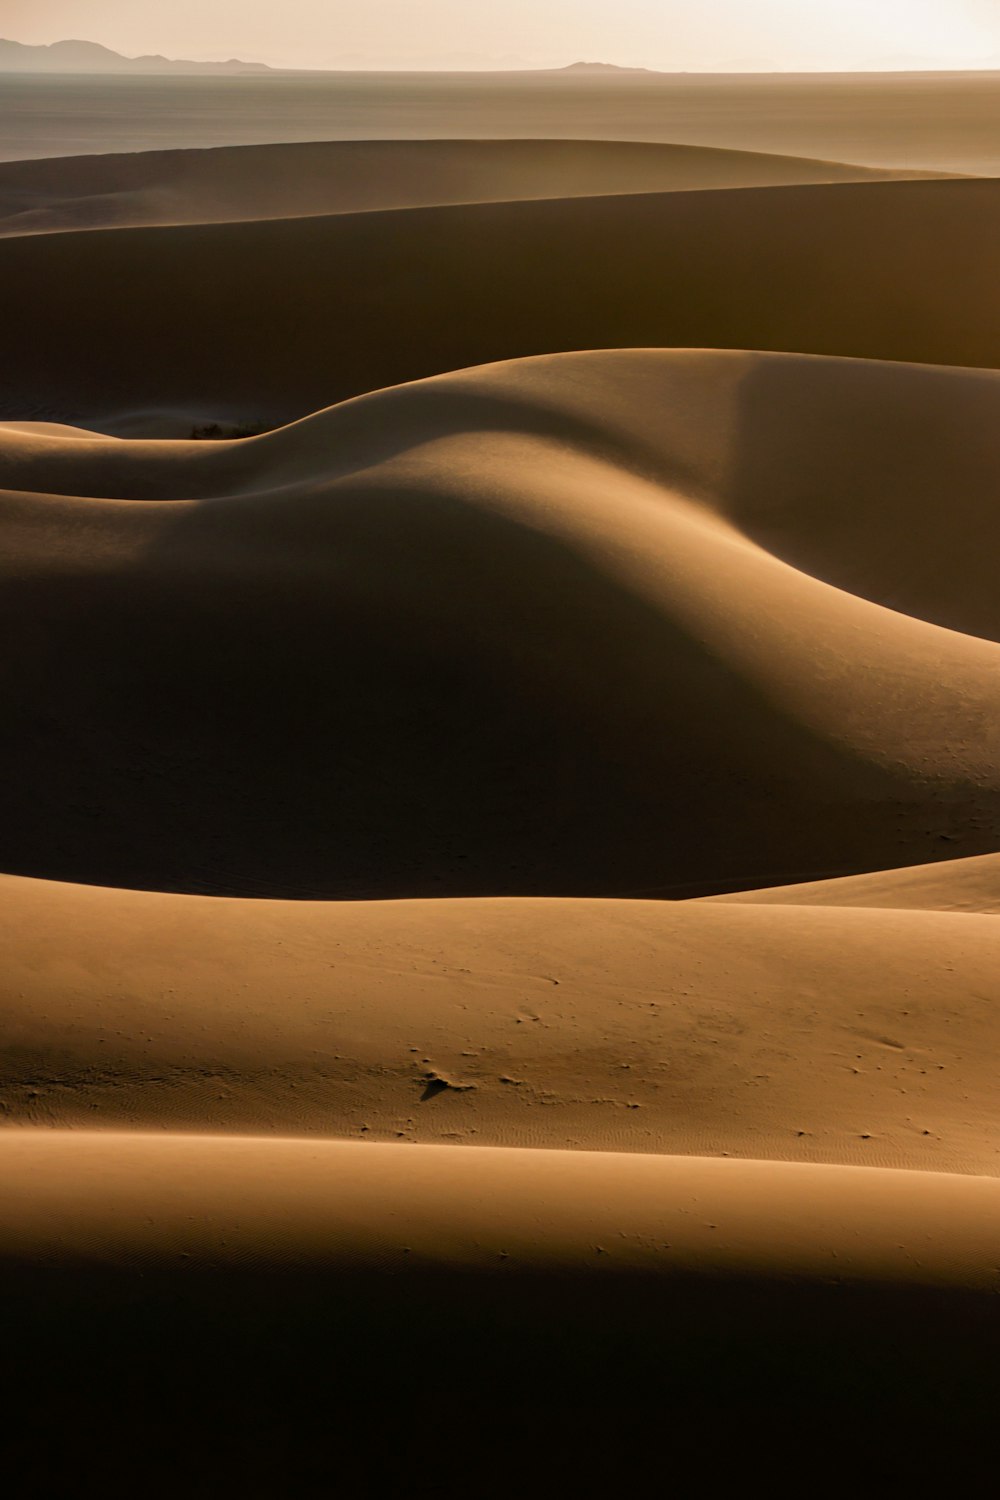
<point>310,1276</point>
<point>864,1038</point>
<point>204,322</point>
<point>954,885</point>
<point>128,1200</point>
<point>498,885</point>
<point>704,715</point>
<point>226,184</point>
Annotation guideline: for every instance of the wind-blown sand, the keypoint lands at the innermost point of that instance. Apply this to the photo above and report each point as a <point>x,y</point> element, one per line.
<point>503,659</point>
<point>226,184</point>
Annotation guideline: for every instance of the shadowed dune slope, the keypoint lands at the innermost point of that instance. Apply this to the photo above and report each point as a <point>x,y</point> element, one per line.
<point>955,885</point>
<point>269,321</point>
<point>785,1033</point>
<point>527,638</point>
<point>127,1201</point>
<point>256,1296</point>
<point>284,181</point>
<point>531,629</point>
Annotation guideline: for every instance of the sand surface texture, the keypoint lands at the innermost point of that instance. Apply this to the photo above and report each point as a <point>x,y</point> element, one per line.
<point>355,775</point>
<point>807,1034</point>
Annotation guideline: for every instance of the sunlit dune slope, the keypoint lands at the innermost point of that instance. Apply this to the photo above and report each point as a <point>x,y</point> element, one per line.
<point>269,182</point>
<point>789,1033</point>
<point>269,321</point>
<point>105,1199</point>
<point>533,629</point>
<point>269,1292</point>
<point>955,885</point>
<point>526,647</point>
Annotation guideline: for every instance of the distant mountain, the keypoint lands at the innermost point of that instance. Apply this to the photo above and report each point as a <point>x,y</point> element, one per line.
<point>90,57</point>
<point>598,67</point>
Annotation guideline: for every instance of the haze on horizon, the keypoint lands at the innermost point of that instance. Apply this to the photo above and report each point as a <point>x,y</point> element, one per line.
<point>666,35</point>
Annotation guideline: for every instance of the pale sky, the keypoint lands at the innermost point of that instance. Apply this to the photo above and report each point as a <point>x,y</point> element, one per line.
<point>672,35</point>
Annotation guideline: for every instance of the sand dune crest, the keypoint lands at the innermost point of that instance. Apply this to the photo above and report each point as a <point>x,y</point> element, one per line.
<point>954,885</point>
<point>504,658</point>
<point>323,675</point>
<point>205,322</point>
<point>226,184</point>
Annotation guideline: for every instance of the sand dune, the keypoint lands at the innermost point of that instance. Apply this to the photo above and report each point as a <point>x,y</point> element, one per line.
<point>524,630</point>
<point>527,647</point>
<point>270,321</point>
<point>225,184</point>
<point>955,885</point>
<point>939,120</point>
<point>251,1302</point>
<point>785,1033</point>
<point>128,1200</point>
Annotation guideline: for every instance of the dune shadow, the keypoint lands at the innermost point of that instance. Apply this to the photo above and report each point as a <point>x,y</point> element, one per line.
<point>878,479</point>
<point>406,695</point>
<point>281,318</point>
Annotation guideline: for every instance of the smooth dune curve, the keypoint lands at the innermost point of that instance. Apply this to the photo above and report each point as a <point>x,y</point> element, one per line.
<point>225,184</point>
<point>507,632</point>
<point>275,1297</point>
<point>871,476</point>
<point>270,321</point>
<point>535,640</point>
<point>92,1198</point>
<point>954,885</point>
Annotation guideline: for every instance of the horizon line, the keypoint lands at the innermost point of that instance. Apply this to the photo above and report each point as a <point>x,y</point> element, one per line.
<point>577,64</point>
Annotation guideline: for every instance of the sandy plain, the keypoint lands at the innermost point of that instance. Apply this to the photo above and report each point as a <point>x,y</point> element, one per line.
<point>503,858</point>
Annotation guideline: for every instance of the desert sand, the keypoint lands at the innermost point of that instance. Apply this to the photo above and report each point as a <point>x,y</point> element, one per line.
<point>634,649</point>
<point>782,1033</point>
<point>953,885</point>
<point>228,184</point>
<point>859,269</point>
<point>498,871</point>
